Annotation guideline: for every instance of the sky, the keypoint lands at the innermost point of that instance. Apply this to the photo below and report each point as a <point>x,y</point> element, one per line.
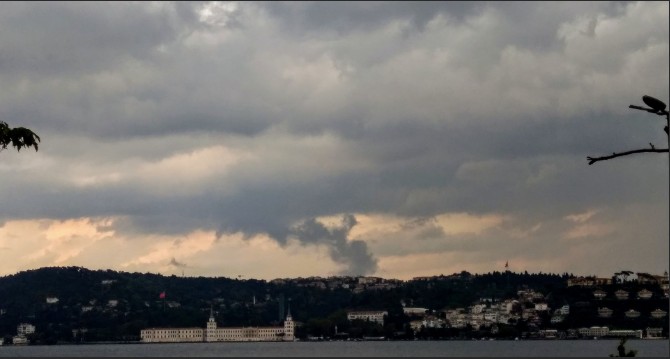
<point>296,139</point>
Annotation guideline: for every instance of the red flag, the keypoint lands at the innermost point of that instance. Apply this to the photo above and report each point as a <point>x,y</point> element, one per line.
<point>162,295</point>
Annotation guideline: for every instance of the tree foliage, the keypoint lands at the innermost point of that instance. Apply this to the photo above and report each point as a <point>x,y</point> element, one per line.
<point>17,137</point>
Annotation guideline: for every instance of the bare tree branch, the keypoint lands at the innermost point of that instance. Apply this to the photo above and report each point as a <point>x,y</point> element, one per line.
<point>593,160</point>
<point>656,107</point>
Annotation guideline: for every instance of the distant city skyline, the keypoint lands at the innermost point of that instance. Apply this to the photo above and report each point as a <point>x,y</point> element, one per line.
<point>293,139</point>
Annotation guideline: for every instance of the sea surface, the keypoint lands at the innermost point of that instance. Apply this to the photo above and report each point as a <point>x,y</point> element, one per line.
<point>451,348</point>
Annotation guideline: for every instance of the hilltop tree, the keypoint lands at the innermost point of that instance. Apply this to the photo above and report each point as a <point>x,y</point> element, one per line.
<point>17,137</point>
<point>656,107</point>
<point>622,276</point>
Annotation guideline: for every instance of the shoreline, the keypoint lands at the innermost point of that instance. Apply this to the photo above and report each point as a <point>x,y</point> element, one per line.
<point>351,340</point>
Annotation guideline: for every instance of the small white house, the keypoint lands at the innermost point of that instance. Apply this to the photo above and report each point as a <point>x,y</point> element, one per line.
<point>541,307</point>
<point>25,329</point>
<point>19,340</point>
<point>414,311</point>
<point>658,313</point>
<point>52,300</point>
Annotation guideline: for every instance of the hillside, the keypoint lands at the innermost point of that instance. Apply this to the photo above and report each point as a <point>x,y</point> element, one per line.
<point>76,304</point>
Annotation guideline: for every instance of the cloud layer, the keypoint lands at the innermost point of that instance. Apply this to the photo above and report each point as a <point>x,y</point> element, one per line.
<point>392,139</point>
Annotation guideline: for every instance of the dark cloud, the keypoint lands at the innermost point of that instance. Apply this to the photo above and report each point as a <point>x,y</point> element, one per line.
<point>54,39</point>
<point>331,108</point>
<point>353,254</point>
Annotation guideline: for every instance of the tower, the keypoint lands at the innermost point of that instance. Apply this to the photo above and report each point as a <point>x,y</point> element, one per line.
<point>210,332</point>
<point>289,326</point>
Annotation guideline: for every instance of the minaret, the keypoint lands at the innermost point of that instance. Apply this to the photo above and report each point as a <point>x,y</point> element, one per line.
<point>289,325</point>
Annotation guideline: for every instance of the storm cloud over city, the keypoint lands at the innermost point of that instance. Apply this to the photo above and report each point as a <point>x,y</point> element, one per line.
<point>286,139</point>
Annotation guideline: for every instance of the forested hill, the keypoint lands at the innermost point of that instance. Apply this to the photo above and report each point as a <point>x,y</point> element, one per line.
<point>27,291</point>
<point>113,305</point>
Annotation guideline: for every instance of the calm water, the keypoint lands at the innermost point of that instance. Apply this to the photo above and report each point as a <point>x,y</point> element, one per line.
<point>531,348</point>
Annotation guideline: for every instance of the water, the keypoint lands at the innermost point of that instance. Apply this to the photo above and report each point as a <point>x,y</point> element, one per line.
<point>529,348</point>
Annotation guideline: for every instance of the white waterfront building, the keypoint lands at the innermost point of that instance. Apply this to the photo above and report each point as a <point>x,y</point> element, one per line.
<point>212,333</point>
<point>373,316</point>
